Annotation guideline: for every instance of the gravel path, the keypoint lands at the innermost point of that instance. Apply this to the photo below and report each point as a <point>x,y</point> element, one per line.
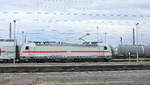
<point>136,77</point>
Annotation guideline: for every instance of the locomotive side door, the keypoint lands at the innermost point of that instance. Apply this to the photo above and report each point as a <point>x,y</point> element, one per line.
<point>100,51</point>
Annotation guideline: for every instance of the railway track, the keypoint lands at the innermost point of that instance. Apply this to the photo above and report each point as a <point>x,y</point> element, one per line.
<point>70,67</point>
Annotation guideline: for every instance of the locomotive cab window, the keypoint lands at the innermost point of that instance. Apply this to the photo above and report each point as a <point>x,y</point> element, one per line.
<point>27,48</point>
<point>105,48</point>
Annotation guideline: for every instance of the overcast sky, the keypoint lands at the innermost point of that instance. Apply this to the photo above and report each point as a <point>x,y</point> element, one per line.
<point>68,20</point>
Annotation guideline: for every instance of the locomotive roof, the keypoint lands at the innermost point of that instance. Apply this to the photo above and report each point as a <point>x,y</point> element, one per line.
<point>66,44</point>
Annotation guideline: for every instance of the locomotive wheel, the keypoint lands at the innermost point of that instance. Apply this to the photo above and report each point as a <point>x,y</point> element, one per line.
<point>106,60</point>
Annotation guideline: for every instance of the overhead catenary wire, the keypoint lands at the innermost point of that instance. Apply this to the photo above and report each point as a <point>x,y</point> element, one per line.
<point>80,14</point>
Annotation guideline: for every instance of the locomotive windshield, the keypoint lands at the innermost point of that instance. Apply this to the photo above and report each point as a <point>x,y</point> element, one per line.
<point>27,47</point>
<point>105,48</point>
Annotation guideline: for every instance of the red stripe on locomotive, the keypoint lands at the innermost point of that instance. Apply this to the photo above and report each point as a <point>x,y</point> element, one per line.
<point>6,51</point>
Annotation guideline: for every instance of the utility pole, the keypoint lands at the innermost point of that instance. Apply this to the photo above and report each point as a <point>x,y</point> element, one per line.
<point>15,30</point>
<point>10,31</point>
<point>15,41</point>
<point>23,37</point>
<point>121,40</point>
<point>137,54</point>
<point>97,34</point>
<point>133,36</point>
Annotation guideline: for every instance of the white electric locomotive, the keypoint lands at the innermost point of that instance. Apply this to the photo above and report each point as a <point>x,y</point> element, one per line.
<point>65,51</point>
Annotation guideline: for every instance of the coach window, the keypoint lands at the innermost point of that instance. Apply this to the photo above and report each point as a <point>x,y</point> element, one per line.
<point>0,51</point>
<point>27,48</point>
<point>105,48</point>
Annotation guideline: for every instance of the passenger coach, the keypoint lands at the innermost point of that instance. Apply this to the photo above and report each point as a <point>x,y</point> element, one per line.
<point>7,50</point>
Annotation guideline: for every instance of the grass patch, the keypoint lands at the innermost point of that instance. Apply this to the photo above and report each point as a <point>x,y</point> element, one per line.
<point>140,59</point>
<point>147,63</point>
